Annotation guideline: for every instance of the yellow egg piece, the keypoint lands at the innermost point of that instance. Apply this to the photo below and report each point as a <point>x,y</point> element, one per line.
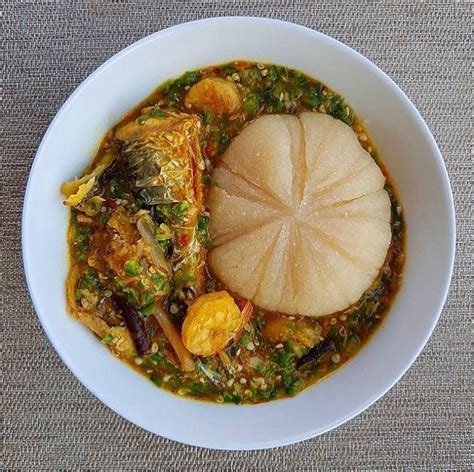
<point>211,322</point>
<point>77,189</point>
<point>214,95</point>
<point>81,193</point>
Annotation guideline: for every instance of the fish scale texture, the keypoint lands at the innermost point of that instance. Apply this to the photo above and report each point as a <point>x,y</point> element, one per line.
<point>50,421</point>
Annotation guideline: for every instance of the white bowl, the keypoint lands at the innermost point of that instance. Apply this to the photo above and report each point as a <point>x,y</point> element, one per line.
<point>407,147</point>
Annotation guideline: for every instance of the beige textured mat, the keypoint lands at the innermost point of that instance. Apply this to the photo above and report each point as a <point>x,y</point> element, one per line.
<point>50,421</point>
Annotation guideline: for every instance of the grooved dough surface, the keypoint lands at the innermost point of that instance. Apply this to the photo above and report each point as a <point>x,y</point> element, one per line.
<point>300,221</point>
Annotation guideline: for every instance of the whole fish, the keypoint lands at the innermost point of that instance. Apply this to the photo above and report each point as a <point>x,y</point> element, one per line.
<point>162,151</point>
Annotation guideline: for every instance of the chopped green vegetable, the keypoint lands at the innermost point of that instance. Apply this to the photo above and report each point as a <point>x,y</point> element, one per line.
<point>175,213</point>
<point>173,89</point>
<point>198,388</point>
<point>147,298</point>
<point>185,278</point>
<point>245,339</point>
<point>161,284</point>
<point>81,241</point>
<point>104,217</point>
<point>224,139</point>
<point>232,398</point>
<point>295,348</point>
<point>203,230</point>
<point>117,188</point>
<point>229,69</point>
<point>312,98</point>
<point>148,310</point>
<point>90,278</point>
<point>191,77</point>
<point>259,321</point>
<point>353,342</point>
<point>132,267</point>
<point>284,358</point>
<point>158,113</point>
<point>106,339</point>
<point>291,382</point>
<point>158,381</point>
<point>265,395</point>
<point>251,105</point>
<point>132,296</point>
<point>206,117</point>
<point>253,74</point>
<point>180,209</point>
<point>120,282</point>
<point>338,109</point>
<point>295,93</point>
<point>206,179</point>
<point>157,357</point>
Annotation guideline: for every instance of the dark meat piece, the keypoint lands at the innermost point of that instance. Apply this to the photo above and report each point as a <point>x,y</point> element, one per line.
<point>135,324</point>
<point>316,352</point>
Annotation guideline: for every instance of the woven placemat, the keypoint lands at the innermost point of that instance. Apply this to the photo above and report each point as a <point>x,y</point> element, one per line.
<point>50,421</point>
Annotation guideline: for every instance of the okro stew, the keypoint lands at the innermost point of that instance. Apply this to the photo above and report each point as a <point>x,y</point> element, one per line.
<point>149,214</point>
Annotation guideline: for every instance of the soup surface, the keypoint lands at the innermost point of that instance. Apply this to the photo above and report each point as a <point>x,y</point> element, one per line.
<point>139,243</point>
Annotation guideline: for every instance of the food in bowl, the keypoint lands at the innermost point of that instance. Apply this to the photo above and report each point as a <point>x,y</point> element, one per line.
<point>236,237</point>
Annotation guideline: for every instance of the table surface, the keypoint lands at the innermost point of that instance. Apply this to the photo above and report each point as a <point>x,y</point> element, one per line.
<point>51,421</point>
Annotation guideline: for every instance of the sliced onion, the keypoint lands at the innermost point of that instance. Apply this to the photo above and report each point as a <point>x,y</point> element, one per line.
<point>72,187</point>
<point>174,337</point>
<point>146,228</point>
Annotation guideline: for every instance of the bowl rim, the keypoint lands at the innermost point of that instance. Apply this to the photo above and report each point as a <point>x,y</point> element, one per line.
<point>436,154</point>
